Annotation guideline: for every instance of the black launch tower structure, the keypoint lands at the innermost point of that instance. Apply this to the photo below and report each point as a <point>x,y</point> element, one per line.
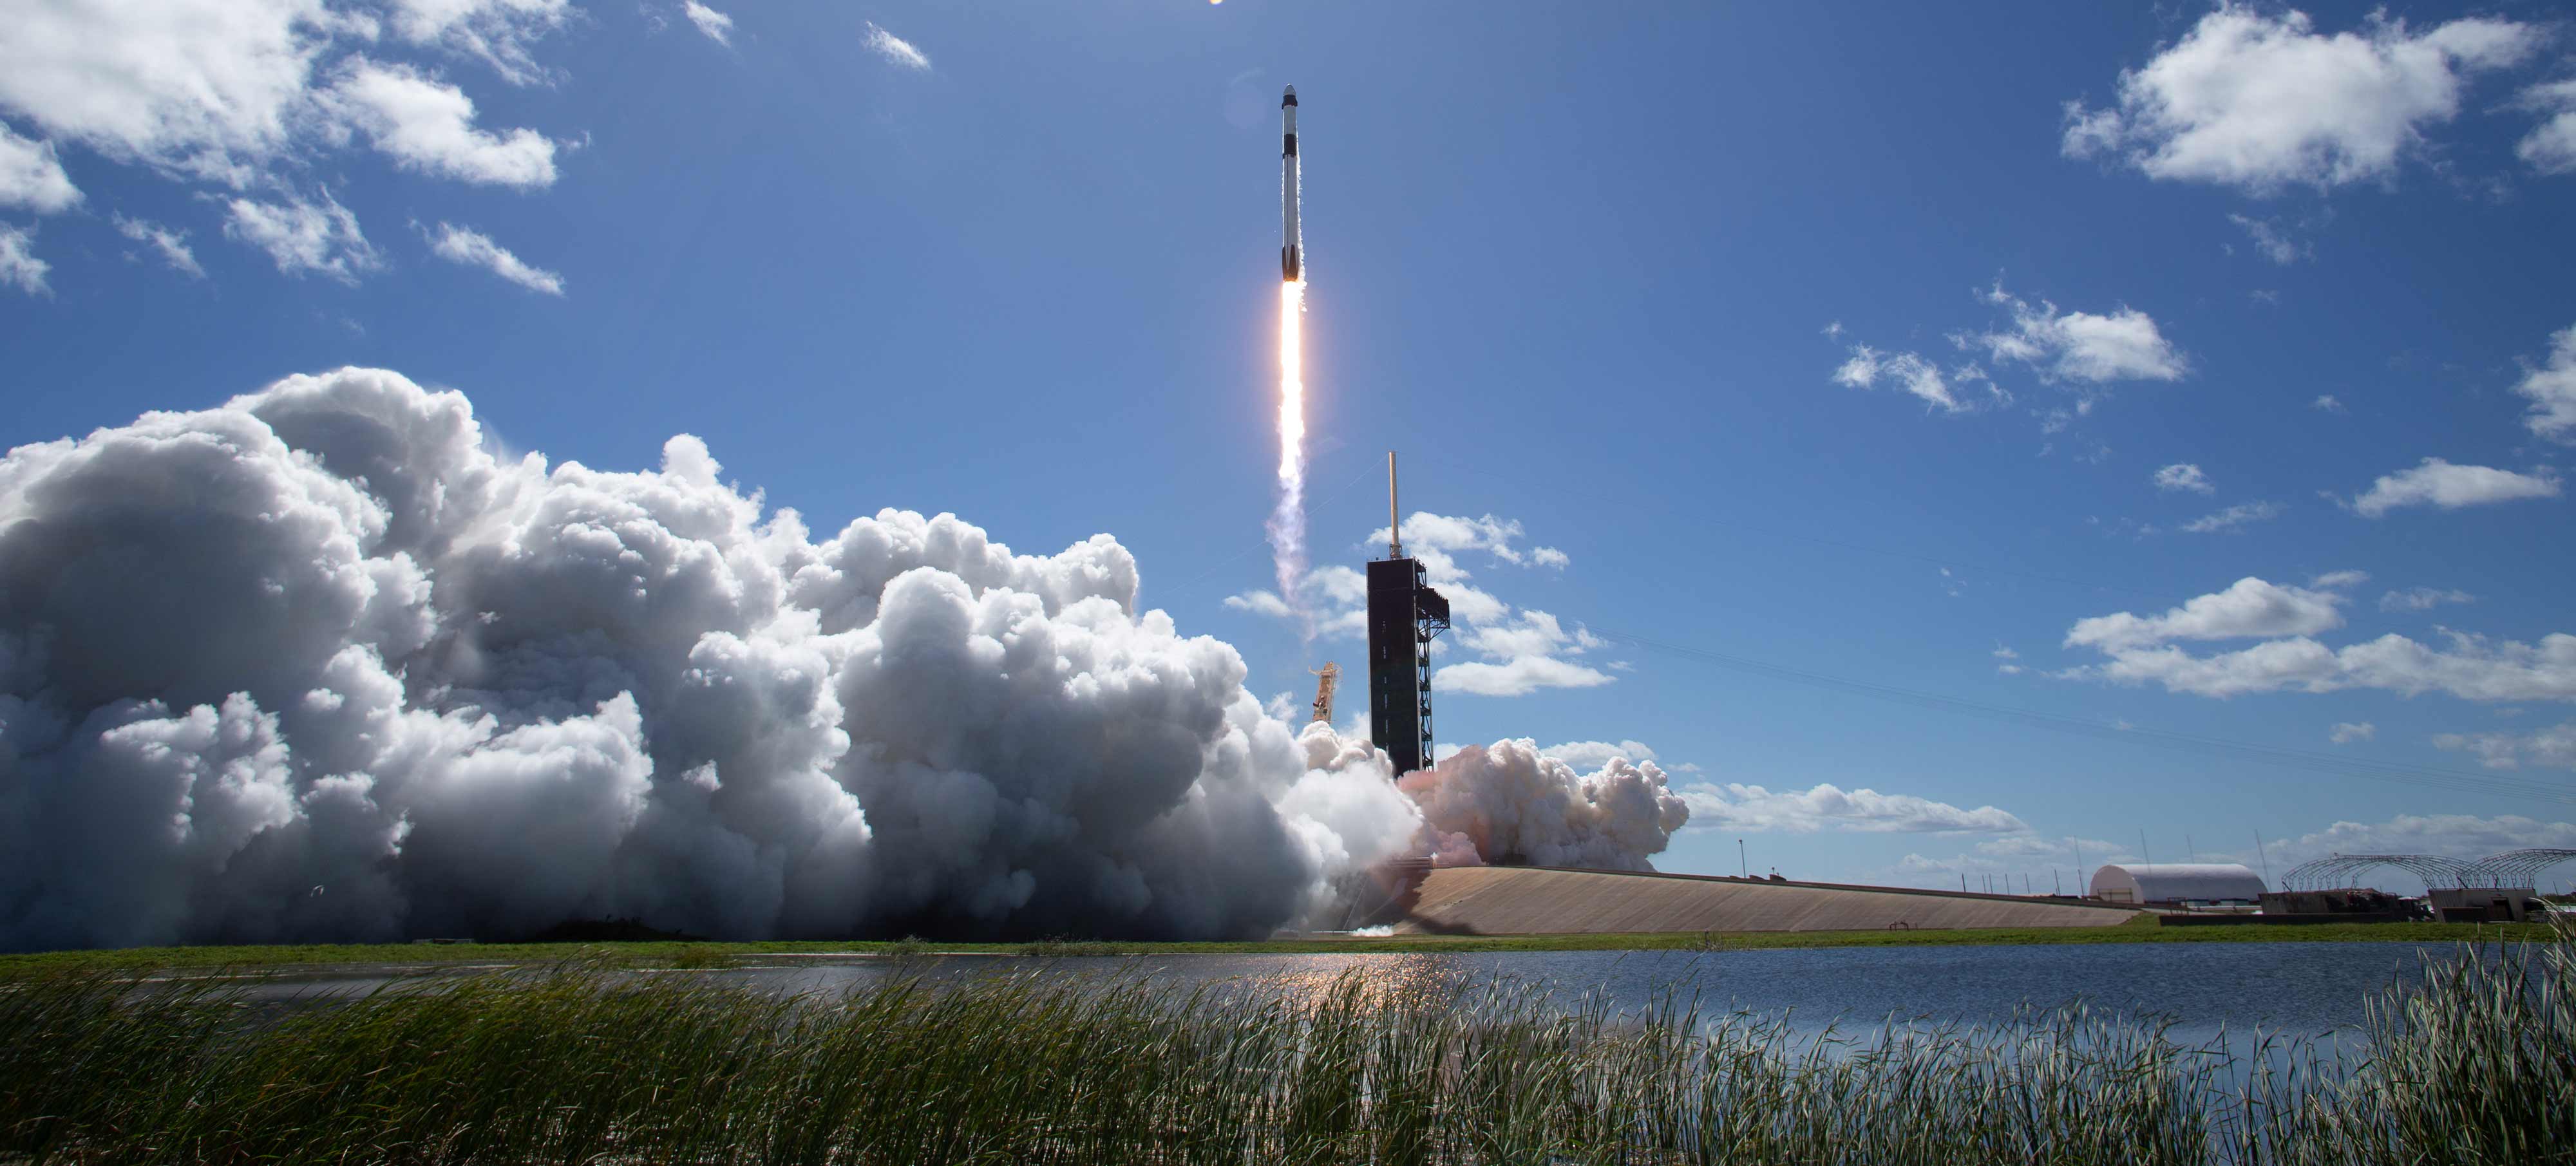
<point>1404,615</point>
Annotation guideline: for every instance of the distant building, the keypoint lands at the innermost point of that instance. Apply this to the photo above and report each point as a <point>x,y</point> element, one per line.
<point>2178,884</point>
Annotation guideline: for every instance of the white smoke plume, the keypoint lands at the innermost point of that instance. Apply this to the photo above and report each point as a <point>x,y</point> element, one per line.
<point>317,664</point>
<point>1508,804</point>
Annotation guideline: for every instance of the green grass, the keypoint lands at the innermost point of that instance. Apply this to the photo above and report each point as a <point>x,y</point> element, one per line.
<point>582,1064</point>
<point>2142,930</point>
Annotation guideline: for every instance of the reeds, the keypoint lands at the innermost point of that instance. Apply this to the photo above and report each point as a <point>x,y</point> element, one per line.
<point>2474,1064</point>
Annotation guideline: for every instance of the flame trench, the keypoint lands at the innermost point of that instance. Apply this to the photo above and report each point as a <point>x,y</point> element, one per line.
<point>1288,522</point>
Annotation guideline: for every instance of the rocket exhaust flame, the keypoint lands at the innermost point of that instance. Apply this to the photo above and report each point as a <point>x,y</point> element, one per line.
<point>1288,522</point>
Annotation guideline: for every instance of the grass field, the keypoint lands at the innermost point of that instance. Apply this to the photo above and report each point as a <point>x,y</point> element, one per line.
<point>582,1065</point>
<point>2142,930</point>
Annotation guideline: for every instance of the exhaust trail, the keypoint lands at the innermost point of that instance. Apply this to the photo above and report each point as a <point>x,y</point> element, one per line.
<point>1288,521</point>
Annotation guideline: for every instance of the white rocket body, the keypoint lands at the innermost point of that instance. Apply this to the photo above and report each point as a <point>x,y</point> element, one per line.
<point>1292,264</point>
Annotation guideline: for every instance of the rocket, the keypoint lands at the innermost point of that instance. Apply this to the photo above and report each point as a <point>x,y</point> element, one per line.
<point>1292,265</point>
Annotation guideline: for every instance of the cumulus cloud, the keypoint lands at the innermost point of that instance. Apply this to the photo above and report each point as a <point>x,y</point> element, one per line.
<point>473,249</point>
<point>2422,599</point>
<point>2553,748</point>
<point>2249,607</point>
<point>2463,836</point>
<point>254,96</point>
<point>2271,239</point>
<point>2184,476</point>
<point>32,177</point>
<point>1591,755</point>
<point>2550,147</point>
<point>469,694</point>
<point>2436,482</point>
<point>717,26</point>
<point>171,244</point>
<point>1511,803</point>
<point>2078,346</point>
<point>2347,732</point>
<point>1827,807</point>
<point>2326,403</point>
<point>896,49</point>
<point>2470,667</point>
<point>2552,389</point>
<point>2260,101</point>
<point>2338,580</point>
<point>2233,517</point>
<point>1524,653</point>
<point>428,126</point>
<point>321,237</point>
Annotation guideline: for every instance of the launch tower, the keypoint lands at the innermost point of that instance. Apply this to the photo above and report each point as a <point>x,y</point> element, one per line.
<point>1404,614</point>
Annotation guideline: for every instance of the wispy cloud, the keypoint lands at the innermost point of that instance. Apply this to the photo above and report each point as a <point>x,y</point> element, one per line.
<point>170,243</point>
<point>474,249</point>
<point>717,25</point>
<point>896,49</point>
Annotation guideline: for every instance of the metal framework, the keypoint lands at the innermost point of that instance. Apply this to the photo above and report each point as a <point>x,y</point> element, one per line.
<point>1327,677</point>
<point>2511,870</point>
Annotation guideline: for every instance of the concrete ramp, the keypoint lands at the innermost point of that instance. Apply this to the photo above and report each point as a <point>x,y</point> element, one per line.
<point>1505,900</point>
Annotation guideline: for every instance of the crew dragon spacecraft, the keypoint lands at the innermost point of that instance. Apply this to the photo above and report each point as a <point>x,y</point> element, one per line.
<point>1292,266</point>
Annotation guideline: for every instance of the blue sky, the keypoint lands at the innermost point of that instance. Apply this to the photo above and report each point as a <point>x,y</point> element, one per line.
<point>1880,344</point>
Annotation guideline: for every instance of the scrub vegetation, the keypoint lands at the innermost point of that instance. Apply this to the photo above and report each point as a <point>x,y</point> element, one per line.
<point>593,1064</point>
<point>696,954</point>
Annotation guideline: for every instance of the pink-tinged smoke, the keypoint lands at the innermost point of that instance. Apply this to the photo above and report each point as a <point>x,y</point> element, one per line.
<point>320,664</point>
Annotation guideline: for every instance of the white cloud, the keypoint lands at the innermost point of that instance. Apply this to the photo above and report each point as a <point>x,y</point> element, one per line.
<point>2462,836</point>
<point>170,243</point>
<point>1519,676</point>
<point>1589,756</point>
<point>896,49</point>
<point>2439,483</point>
<point>2079,346</point>
<point>2326,403</point>
<point>474,249</point>
<point>1735,806</point>
<point>2550,147</point>
<point>2233,517</point>
<point>717,25</point>
<point>2472,668</point>
<point>499,32</point>
<point>2184,476</point>
<point>19,266</point>
<point>32,177</point>
<point>2249,607</point>
<point>2259,101</point>
<point>212,89</point>
<point>2003,653</point>
<point>2272,239</point>
<point>302,236</point>
<point>428,126</point>
<point>1426,532</point>
<point>2552,389</point>
<point>2422,599</point>
<point>2347,732</point>
<point>2553,748</point>
<point>1833,330</point>
<point>2338,580</point>
<point>1549,557</point>
<point>1905,370</point>
<point>1261,603</point>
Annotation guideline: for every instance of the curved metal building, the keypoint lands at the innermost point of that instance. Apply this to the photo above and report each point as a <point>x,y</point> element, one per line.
<point>2177,882</point>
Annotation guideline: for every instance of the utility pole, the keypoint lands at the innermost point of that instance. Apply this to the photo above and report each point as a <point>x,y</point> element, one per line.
<point>1741,866</point>
<point>2265,855</point>
<point>2145,855</point>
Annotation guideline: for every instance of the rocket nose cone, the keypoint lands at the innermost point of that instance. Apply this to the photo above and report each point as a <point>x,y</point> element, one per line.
<point>1289,98</point>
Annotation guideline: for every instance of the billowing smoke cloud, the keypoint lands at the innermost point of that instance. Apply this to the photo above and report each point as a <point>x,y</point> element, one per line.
<point>1509,804</point>
<point>318,664</point>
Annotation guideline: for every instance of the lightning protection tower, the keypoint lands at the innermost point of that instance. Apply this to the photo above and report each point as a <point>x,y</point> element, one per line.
<point>1404,615</point>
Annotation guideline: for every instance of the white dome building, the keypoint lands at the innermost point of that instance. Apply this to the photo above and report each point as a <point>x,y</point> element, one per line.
<point>2178,883</point>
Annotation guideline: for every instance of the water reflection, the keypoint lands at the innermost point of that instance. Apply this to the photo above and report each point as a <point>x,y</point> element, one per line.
<point>2199,988</point>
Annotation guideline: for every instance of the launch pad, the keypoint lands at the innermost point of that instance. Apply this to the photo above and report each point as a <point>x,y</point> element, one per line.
<point>1404,615</point>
